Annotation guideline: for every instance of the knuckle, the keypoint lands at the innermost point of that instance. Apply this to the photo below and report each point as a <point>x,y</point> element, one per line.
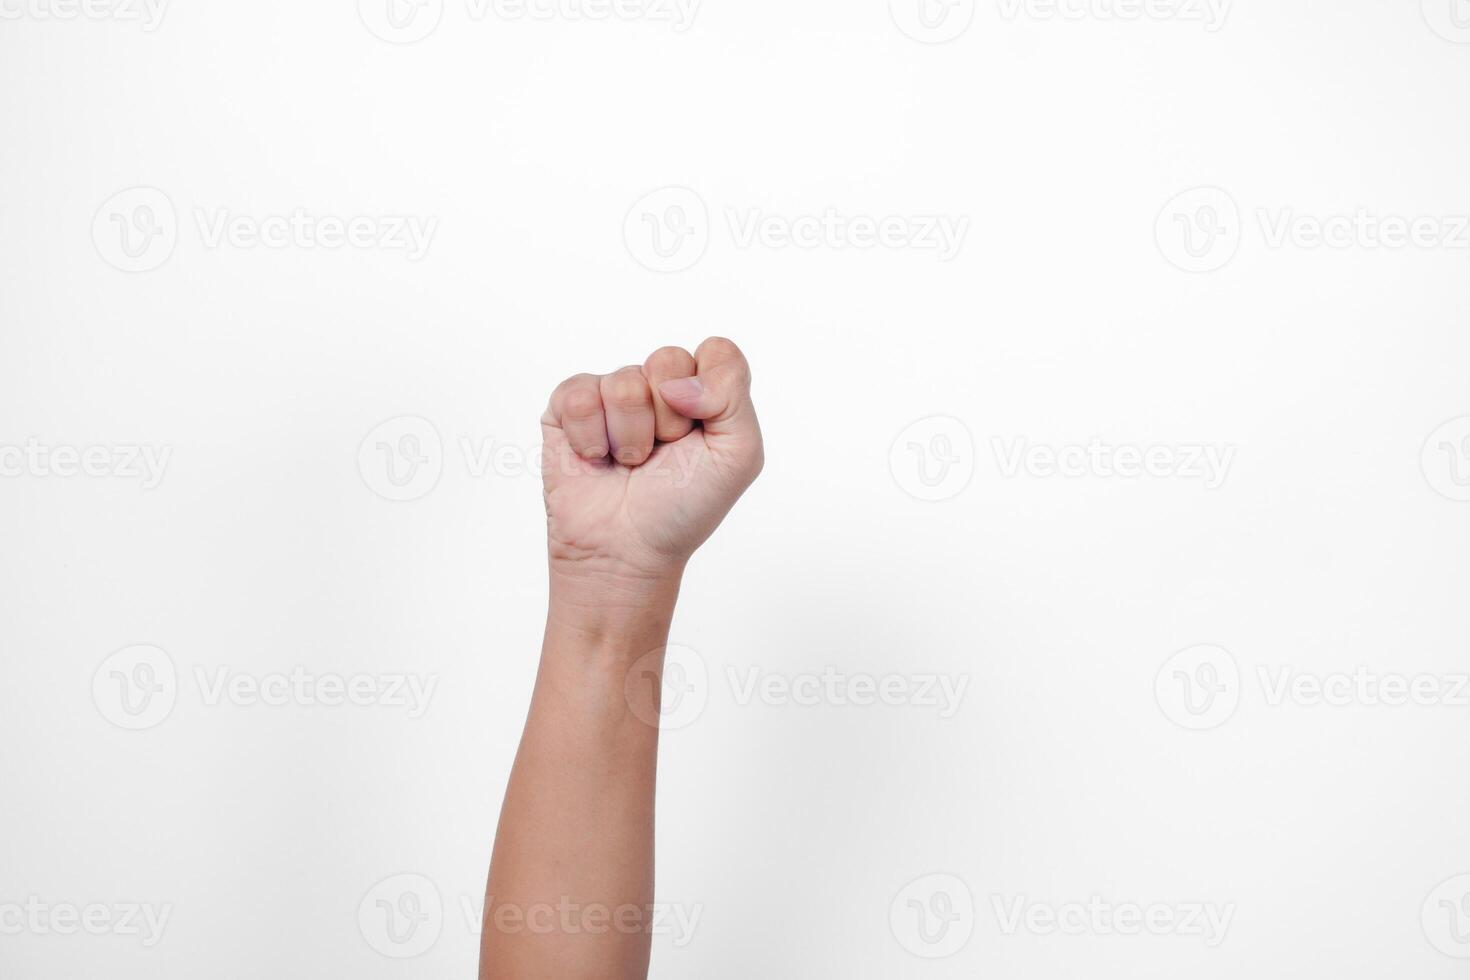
<point>626,389</point>
<point>577,381</point>
<point>721,346</point>
<point>735,373</point>
<point>729,358</point>
<point>581,403</point>
<point>670,358</point>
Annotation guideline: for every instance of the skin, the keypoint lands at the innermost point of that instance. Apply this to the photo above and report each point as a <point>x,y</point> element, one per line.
<point>640,467</point>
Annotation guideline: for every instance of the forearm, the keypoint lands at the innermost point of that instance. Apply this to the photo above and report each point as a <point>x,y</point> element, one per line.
<point>571,878</point>
<point>639,467</point>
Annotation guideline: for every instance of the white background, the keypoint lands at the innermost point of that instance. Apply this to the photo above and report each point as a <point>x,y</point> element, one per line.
<point>1335,541</point>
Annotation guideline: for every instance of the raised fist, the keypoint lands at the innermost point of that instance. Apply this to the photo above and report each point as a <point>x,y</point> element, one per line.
<point>641,465</point>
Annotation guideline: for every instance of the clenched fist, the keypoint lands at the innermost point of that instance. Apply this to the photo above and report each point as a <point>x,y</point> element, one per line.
<point>641,465</point>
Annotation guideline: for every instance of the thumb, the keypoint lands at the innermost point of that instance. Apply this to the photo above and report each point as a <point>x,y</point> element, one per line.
<point>718,395</point>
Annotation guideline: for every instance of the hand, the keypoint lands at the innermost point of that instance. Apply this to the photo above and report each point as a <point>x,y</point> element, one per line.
<point>641,465</point>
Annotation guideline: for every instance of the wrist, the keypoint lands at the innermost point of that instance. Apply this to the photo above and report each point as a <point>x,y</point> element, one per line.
<point>612,601</point>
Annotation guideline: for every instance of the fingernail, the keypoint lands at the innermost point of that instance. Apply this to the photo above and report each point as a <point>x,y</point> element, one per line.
<point>682,388</point>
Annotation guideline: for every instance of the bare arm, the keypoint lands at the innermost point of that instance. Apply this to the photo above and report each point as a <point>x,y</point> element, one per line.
<point>640,467</point>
